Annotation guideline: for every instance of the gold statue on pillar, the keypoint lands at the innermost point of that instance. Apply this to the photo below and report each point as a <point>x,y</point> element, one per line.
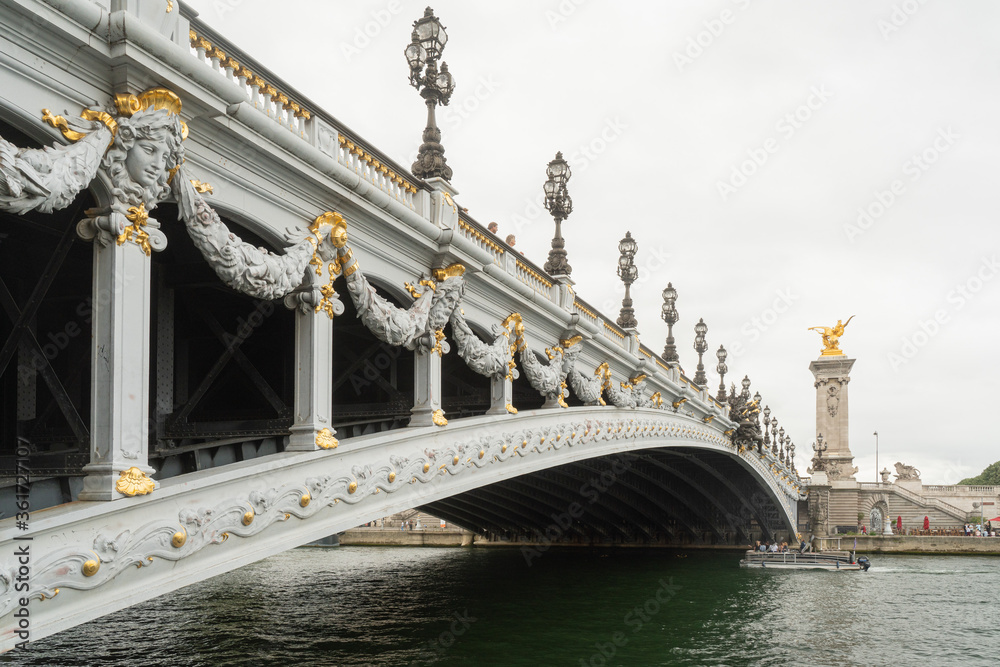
<point>831,336</point>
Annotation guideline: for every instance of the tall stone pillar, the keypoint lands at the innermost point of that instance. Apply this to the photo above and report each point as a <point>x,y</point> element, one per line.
<point>832,374</point>
<point>427,389</point>
<point>313,426</point>
<point>119,424</point>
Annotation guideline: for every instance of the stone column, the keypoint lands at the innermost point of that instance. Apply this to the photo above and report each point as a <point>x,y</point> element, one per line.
<point>832,374</point>
<point>313,427</point>
<point>426,388</point>
<point>119,424</point>
<point>501,395</point>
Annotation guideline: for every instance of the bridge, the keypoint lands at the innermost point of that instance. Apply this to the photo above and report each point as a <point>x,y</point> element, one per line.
<point>231,326</point>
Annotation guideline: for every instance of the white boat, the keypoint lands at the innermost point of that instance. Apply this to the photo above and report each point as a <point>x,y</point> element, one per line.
<point>793,560</point>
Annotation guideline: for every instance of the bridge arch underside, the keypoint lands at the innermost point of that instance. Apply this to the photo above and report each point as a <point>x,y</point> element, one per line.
<point>676,496</point>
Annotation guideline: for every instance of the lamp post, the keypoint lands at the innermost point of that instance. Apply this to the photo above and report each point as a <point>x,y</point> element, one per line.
<point>791,458</point>
<point>774,431</point>
<point>669,315</point>
<point>721,369</point>
<point>767,424</point>
<point>700,346</point>
<point>427,43</point>
<point>560,205</point>
<point>876,456</point>
<point>628,272</point>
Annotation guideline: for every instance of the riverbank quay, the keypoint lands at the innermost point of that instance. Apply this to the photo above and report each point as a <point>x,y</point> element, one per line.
<point>915,544</point>
<point>382,537</point>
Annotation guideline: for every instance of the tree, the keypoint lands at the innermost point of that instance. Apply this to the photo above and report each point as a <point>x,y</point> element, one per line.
<point>988,477</point>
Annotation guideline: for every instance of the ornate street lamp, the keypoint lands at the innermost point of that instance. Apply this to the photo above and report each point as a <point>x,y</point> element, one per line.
<point>791,459</point>
<point>767,424</point>
<point>781,443</point>
<point>669,315</point>
<point>427,43</point>
<point>700,346</point>
<point>774,432</point>
<point>721,369</point>
<point>628,272</point>
<point>560,205</point>
<point>746,388</point>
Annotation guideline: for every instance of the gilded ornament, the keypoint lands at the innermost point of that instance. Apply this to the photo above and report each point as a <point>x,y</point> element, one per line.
<point>202,187</point>
<point>91,566</point>
<point>134,482</point>
<point>352,487</point>
<point>248,517</point>
<point>325,439</point>
<point>482,453</point>
<point>708,419</point>
<point>450,271</point>
<point>427,467</point>
<point>678,403</point>
<point>438,418</point>
<point>138,216</point>
<point>179,538</point>
<point>392,477</point>
<point>438,338</point>
<point>61,124</point>
<point>454,461</point>
<point>511,409</point>
<point>305,499</point>
<point>831,337</point>
<point>54,593</point>
<point>503,449</point>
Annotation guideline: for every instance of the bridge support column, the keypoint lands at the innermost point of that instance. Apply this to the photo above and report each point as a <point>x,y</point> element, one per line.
<point>313,382</point>
<point>501,395</point>
<point>426,387</point>
<point>119,431</point>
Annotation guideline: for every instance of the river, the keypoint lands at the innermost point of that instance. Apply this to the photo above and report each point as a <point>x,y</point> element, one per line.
<point>488,606</point>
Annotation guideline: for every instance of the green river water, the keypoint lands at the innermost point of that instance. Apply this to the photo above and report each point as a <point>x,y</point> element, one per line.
<point>488,606</point>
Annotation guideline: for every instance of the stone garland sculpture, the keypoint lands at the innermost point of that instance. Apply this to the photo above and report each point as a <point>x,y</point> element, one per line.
<point>419,327</point>
<point>550,380</point>
<point>494,360</point>
<point>630,393</point>
<point>137,147</point>
<point>590,390</point>
<point>248,269</point>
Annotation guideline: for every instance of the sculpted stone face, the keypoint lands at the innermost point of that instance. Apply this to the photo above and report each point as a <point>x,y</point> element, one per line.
<point>146,161</point>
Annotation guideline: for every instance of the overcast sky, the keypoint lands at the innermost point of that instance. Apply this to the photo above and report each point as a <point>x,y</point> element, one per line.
<point>740,142</point>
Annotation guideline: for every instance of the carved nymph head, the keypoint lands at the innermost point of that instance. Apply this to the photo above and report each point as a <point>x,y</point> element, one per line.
<point>147,146</point>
